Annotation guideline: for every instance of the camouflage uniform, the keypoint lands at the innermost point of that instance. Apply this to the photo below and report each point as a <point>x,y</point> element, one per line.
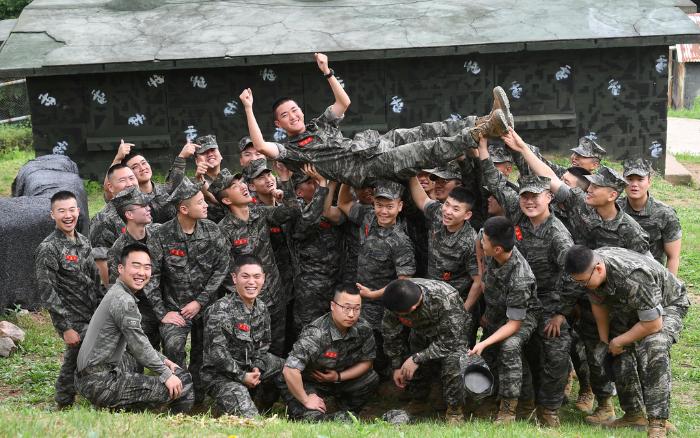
<point>105,227</point>
<point>370,155</point>
<point>658,219</point>
<point>70,288</point>
<point>321,346</point>
<point>236,340</point>
<point>622,231</point>
<point>106,374</point>
<point>544,247</point>
<point>438,336</point>
<point>185,268</point>
<point>586,147</point>
<point>510,291</point>
<point>215,211</point>
<point>638,288</point>
<point>452,256</point>
<point>162,210</point>
<point>351,244</point>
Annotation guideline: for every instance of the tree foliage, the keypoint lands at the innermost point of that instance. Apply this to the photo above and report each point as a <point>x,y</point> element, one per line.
<point>12,8</point>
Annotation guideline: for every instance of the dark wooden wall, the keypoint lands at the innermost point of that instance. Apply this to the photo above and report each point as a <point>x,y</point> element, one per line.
<point>618,95</point>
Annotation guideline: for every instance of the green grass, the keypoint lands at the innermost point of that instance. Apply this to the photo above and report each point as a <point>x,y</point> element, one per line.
<point>18,136</point>
<point>27,377</point>
<point>691,113</point>
<point>10,162</point>
<point>685,157</point>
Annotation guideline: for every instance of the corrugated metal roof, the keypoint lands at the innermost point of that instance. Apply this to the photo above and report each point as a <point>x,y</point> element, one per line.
<point>689,52</point>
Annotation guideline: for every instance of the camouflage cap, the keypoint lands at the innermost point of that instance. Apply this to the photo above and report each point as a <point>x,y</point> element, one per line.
<point>185,190</point>
<point>298,178</point>
<point>206,142</point>
<point>255,168</point>
<point>499,154</point>
<point>388,189</point>
<point>222,182</point>
<point>476,377</point>
<point>589,148</point>
<point>636,166</point>
<point>244,142</point>
<point>606,177</point>
<point>451,171</point>
<point>396,417</point>
<point>128,197</point>
<point>533,184</point>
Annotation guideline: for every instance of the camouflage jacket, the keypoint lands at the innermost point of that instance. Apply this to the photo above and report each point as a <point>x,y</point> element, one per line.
<point>510,291</point>
<point>622,231</point>
<point>105,228</point>
<point>452,256</point>
<point>68,281</point>
<point>544,247</point>
<point>321,346</point>
<point>186,267</point>
<point>236,339</point>
<point>115,252</point>
<point>659,220</point>
<point>636,288</point>
<point>116,327</point>
<point>524,168</point>
<point>162,210</point>
<point>440,319</point>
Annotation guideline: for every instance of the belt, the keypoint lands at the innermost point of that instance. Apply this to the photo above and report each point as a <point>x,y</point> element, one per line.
<point>95,369</point>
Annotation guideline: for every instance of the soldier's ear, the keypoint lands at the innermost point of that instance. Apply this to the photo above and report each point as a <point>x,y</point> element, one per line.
<point>400,205</point>
<point>468,215</point>
<point>226,201</point>
<point>120,268</point>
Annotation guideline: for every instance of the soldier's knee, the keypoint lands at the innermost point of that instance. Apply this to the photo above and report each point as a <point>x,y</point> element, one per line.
<point>512,345</point>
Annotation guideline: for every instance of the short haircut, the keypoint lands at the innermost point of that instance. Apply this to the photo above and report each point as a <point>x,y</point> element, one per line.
<point>116,167</point>
<point>279,102</point>
<point>500,232</point>
<point>220,194</point>
<point>345,288</point>
<point>462,194</point>
<point>246,259</point>
<point>578,259</point>
<point>63,195</point>
<point>401,295</point>
<point>133,247</point>
<point>131,155</point>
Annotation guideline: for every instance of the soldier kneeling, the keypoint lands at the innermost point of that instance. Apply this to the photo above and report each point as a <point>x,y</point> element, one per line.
<point>106,374</point>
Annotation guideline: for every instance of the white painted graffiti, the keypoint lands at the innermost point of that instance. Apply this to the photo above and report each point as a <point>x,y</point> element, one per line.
<point>60,148</point>
<point>137,119</point>
<point>268,74</point>
<point>231,108</point>
<point>661,64</point>
<point>516,90</point>
<point>340,81</point>
<point>198,82</point>
<point>454,117</point>
<point>615,87</point>
<point>99,96</point>
<point>656,149</point>
<point>155,80</point>
<point>592,136</point>
<point>397,104</point>
<point>563,73</point>
<point>279,134</point>
<point>190,133</point>
<point>47,100</point>
<point>472,67</point>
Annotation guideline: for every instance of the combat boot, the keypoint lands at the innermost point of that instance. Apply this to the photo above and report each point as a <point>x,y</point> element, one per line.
<point>525,410</point>
<point>656,428</point>
<point>494,126</point>
<point>506,412</point>
<point>418,407</point>
<point>635,420</point>
<point>500,101</point>
<point>454,415</point>
<point>604,413</point>
<point>485,409</point>
<point>548,417</point>
<point>585,400</point>
<point>569,385</point>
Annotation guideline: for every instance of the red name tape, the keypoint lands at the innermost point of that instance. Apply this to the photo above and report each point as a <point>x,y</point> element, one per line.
<point>518,233</point>
<point>305,141</point>
<point>240,242</point>
<point>446,276</point>
<point>243,327</point>
<point>72,258</point>
<point>325,225</point>
<point>331,354</point>
<point>275,230</point>
<point>406,322</point>
<point>177,252</point>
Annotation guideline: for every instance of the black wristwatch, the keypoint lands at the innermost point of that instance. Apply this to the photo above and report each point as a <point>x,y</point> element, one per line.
<point>338,378</point>
<point>330,73</point>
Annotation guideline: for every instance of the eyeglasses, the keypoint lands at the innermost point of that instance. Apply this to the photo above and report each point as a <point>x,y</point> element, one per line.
<point>347,309</point>
<point>585,285</point>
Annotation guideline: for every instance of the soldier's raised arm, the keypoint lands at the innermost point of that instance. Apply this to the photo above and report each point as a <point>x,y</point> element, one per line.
<point>342,100</point>
<point>266,148</point>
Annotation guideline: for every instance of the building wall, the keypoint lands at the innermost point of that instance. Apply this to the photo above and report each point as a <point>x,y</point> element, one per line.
<point>617,95</point>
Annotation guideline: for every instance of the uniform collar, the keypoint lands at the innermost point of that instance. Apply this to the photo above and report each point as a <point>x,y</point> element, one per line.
<point>79,238</point>
<point>335,333</point>
<point>120,284</point>
<point>645,211</point>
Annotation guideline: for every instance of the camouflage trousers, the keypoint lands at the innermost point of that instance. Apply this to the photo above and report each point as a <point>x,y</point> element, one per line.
<point>588,333</point>
<point>579,361</point>
<point>174,340</point>
<point>650,359</point>
<point>121,387</point>
<point>399,153</point>
<point>234,398</point>
<point>507,358</point>
<point>150,325</point>
<point>447,368</point>
<point>350,395</point>
<point>278,328</point>
<point>550,363</point>
<point>312,299</point>
<point>65,383</point>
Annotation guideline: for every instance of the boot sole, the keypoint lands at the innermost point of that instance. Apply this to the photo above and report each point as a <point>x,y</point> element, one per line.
<point>501,101</point>
<point>499,117</point>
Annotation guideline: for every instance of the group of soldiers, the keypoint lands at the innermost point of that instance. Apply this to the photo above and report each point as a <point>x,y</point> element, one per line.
<point>370,261</point>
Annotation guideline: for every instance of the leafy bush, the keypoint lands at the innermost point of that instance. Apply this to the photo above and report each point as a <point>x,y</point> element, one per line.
<point>15,137</point>
<point>12,8</point>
